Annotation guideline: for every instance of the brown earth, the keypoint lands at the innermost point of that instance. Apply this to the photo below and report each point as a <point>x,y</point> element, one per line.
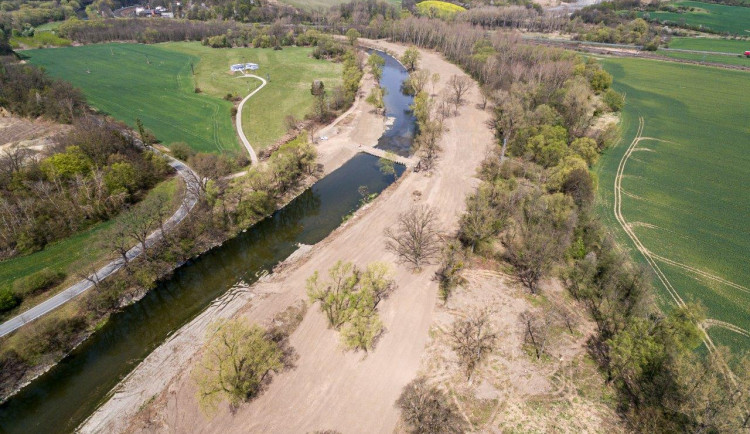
<point>329,388</point>
<point>17,132</point>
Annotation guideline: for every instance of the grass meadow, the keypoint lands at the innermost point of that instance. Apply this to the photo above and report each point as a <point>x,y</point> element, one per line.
<point>738,47</point>
<point>717,17</point>
<point>291,72</point>
<point>129,81</point>
<point>685,194</point>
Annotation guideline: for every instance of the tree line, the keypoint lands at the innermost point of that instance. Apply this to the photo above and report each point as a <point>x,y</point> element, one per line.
<point>534,210</point>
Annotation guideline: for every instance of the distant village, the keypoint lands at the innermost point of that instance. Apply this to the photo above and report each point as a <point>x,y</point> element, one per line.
<point>159,11</point>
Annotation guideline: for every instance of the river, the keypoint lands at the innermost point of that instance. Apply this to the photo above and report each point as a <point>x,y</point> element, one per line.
<point>58,401</point>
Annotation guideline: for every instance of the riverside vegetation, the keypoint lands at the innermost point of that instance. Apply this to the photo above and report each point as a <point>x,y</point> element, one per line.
<point>225,207</point>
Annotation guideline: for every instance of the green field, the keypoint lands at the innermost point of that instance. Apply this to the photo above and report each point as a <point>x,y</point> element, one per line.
<point>73,254</point>
<point>291,72</point>
<point>684,189</point>
<point>719,18</point>
<point>737,47</point>
<point>129,81</point>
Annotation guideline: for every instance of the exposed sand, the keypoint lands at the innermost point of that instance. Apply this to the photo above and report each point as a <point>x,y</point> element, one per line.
<point>329,388</point>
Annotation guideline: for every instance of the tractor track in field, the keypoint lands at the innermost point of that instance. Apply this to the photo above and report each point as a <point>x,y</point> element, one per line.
<point>701,273</point>
<point>725,325</point>
<point>647,255</point>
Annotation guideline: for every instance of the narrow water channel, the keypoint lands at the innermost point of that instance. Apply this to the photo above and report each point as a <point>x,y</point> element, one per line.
<point>402,125</point>
<point>58,401</point>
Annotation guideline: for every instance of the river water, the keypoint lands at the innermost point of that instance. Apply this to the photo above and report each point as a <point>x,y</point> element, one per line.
<point>61,399</point>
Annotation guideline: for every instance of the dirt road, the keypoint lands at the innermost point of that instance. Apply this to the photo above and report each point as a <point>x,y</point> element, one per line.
<point>329,388</point>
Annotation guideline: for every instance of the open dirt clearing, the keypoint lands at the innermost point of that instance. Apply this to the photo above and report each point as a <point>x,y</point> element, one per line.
<point>16,132</point>
<point>329,388</point>
<point>512,390</point>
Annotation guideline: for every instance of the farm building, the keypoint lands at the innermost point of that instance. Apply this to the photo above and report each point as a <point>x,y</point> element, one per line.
<point>244,66</point>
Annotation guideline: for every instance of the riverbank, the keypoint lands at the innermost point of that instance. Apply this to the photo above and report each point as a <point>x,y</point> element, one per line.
<point>329,389</point>
<point>327,166</point>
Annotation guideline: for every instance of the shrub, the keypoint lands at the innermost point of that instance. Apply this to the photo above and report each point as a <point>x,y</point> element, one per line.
<point>37,283</point>
<point>614,100</point>
<point>8,300</point>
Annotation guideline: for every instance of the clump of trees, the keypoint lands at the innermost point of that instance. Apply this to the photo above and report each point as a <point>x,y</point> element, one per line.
<point>350,298</point>
<point>425,409</point>
<point>89,175</point>
<point>27,91</point>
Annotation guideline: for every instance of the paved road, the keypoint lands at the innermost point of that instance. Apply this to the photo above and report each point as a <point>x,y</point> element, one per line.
<point>191,180</point>
<point>250,150</point>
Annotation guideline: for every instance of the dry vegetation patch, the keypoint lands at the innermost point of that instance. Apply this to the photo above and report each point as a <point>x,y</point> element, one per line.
<point>512,390</point>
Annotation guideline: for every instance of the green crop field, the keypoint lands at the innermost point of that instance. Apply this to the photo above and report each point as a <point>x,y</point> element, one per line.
<point>719,18</point>
<point>129,81</point>
<point>291,72</point>
<point>724,46</point>
<point>684,187</point>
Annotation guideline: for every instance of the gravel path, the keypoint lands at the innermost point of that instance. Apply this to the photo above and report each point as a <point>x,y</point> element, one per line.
<point>250,150</point>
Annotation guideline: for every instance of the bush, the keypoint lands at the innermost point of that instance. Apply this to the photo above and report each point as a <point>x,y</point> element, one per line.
<point>37,283</point>
<point>614,100</point>
<point>8,300</point>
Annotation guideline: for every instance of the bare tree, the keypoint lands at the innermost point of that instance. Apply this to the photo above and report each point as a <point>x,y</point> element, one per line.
<point>119,241</point>
<point>460,85</point>
<point>473,339</point>
<point>416,238</point>
<point>426,410</point>
<point>536,331</point>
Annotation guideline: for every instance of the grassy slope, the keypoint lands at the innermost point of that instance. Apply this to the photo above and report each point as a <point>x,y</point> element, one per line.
<point>291,70</point>
<point>73,254</point>
<point>711,44</point>
<point>123,84</point>
<point>693,190</point>
<point>721,18</point>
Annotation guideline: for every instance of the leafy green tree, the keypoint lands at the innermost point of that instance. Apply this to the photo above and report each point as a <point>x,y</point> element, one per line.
<point>336,295</point>
<point>352,35</point>
<point>600,80</point>
<point>614,100</point>
<point>376,63</point>
<point>410,59</point>
<point>8,300</point>
<point>585,148</point>
<point>236,361</point>
<point>350,299</point>
<point>375,98</point>
<point>548,146</point>
<point>362,331</point>
<point>67,164</point>
<point>121,178</point>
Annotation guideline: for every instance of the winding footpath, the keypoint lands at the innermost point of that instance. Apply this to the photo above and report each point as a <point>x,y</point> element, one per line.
<point>192,187</point>
<point>250,150</point>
